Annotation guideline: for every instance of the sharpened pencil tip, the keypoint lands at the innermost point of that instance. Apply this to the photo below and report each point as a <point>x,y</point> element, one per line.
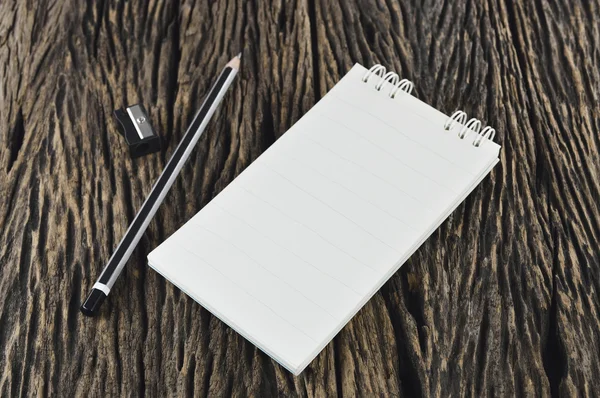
<point>235,62</point>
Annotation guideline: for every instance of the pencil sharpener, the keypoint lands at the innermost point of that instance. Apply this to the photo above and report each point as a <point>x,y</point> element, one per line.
<point>137,130</point>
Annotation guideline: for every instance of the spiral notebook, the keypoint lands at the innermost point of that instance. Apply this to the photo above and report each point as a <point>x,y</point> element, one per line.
<point>290,251</point>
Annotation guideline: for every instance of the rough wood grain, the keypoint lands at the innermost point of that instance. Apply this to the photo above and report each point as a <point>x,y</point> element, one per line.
<point>502,300</point>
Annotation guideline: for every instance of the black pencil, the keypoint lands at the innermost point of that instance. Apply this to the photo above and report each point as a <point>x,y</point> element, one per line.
<point>137,228</point>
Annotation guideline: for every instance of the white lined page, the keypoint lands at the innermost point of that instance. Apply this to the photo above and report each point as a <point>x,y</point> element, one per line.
<point>290,250</point>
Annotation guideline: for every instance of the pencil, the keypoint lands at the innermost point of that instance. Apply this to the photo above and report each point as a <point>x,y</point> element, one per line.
<point>117,261</point>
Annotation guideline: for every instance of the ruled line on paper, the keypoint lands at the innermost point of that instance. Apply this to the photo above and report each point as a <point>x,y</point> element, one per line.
<point>415,199</point>
<point>310,229</point>
<point>407,136</point>
<point>394,156</point>
<point>290,251</point>
<point>334,181</point>
<point>248,293</point>
<point>229,242</point>
<point>262,164</point>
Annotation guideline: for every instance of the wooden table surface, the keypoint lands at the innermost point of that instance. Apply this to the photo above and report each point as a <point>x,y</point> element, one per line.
<point>502,300</point>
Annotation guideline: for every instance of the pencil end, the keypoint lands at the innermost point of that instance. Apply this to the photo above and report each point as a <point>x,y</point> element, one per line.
<point>92,303</point>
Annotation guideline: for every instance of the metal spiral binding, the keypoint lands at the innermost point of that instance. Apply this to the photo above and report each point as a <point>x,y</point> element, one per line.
<point>390,78</point>
<point>473,125</point>
<point>458,118</point>
<point>487,133</point>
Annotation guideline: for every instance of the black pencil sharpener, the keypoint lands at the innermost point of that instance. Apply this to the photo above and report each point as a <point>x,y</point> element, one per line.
<point>137,130</point>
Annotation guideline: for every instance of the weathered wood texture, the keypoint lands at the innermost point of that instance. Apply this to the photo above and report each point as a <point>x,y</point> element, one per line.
<point>502,300</point>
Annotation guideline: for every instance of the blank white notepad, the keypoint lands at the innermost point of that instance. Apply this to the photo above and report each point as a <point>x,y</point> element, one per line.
<point>299,241</point>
